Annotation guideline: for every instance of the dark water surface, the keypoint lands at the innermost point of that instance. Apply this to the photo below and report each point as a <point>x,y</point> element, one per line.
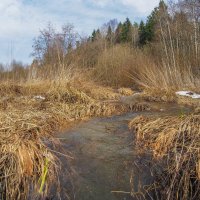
<point>104,161</point>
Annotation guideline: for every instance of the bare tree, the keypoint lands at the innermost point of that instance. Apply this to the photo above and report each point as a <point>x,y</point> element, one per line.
<point>51,47</point>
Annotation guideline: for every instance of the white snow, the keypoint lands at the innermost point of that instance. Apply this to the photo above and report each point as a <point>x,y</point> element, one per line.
<point>39,97</point>
<point>196,96</point>
<point>190,94</point>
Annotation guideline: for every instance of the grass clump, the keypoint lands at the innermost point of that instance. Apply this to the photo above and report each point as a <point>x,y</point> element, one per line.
<point>174,144</point>
<point>28,122</point>
<point>23,149</point>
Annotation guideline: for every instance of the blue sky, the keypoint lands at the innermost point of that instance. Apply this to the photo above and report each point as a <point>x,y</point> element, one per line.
<point>21,20</point>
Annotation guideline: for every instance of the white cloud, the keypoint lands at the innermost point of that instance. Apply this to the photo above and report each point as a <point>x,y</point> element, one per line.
<point>19,24</point>
<point>21,20</point>
<point>21,17</point>
<point>101,3</point>
<point>16,19</point>
<point>141,6</point>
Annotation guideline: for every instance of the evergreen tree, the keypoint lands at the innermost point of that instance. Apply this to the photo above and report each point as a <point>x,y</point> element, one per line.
<point>93,37</point>
<point>98,34</point>
<point>135,25</point>
<point>147,31</point>
<point>118,33</point>
<point>142,34</point>
<point>150,25</point>
<point>109,34</point>
<point>126,31</point>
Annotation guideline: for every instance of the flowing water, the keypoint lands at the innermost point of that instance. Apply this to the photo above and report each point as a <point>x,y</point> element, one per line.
<point>105,163</point>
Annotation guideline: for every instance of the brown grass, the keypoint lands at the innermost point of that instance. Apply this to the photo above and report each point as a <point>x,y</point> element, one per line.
<point>115,64</point>
<point>173,143</point>
<point>28,124</point>
<point>23,149</point>
<point>123,66</point>
<point>159,77</point>
<point>125,91</point>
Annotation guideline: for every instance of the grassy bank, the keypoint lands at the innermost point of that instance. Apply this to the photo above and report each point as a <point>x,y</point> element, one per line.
<point>32,112</point>
<point>173,143</point>
<point>30,115</point>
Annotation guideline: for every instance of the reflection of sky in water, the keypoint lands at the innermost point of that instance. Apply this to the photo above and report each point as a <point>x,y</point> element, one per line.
<point>104,154</point>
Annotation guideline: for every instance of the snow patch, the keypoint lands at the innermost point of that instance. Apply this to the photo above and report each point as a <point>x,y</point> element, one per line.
<point>190,94</point>
<point>39,97</point>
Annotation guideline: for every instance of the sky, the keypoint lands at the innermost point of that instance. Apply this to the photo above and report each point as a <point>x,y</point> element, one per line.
<point>21,20</point>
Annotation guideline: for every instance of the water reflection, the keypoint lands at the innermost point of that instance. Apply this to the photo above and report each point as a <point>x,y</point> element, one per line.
<point>105,165</point>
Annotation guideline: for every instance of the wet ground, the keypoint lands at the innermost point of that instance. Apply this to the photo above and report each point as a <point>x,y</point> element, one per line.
<point>104,164</point>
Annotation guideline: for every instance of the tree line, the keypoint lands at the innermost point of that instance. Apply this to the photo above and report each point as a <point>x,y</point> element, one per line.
<point>137,34</point>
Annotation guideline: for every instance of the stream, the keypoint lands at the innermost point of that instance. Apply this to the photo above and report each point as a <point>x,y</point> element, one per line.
<point>104,159</point>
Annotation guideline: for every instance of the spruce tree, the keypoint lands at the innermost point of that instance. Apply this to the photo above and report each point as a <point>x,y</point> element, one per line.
<point>126,31</point>
<point>118,33</point>
<point>93,37</point>
<point>150,25</point>
<point>142,34</point>
<point>109,34</point>
<point>98,34</point>
<point>147,31</point>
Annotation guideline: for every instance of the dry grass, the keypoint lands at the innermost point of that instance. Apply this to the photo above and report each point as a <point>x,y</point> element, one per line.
<point>122,66</point>
<point>23,149</point>
<point>96,91</point>
<point>27,126</point>
<point>174,143</point>
<point>115,64</point>
<point>168,96</point>
<point>162,78</point>
<point>125,91</point>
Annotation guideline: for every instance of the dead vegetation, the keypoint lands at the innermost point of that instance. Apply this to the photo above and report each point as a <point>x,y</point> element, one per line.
<point>29,116</point>
<point>31,113</point>
<point>173,142</point>
<point>23,151</point>
<point>126,91</point>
